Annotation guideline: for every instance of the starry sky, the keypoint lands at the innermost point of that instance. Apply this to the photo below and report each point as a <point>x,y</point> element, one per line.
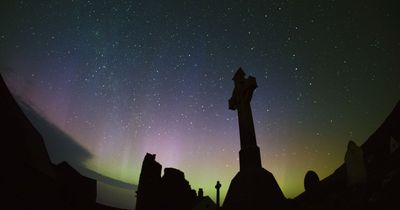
<point>123,78</point>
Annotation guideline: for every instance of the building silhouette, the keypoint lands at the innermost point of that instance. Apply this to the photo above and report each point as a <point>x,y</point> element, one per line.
<point>171,191</point>
<point>29,179</point>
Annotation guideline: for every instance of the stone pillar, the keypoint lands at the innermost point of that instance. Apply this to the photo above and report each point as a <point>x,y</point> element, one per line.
<point>200,193</point>
<point>217,186</point>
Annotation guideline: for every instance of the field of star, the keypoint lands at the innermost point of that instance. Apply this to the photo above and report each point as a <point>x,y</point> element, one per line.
<point>124,78</point>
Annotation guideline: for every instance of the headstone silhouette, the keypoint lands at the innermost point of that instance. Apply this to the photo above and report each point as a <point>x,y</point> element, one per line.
<point>355,165</point>
<point>311,181</point>
<point>394,145</point>
<point>253,187</point>
<point>200,193</point>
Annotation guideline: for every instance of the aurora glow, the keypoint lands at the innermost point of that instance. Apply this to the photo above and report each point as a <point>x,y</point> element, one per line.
<point>128,77</point>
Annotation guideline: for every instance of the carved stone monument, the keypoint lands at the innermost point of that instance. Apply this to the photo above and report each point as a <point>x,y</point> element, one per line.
<point>311,181</point>
<point>249,154</point>
<point>355,165</point>
<point>253,187</point>
<point>217,186</point>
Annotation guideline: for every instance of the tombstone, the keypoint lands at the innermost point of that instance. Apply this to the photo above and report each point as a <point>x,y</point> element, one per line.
<point>355,166</point>
<point>201,193</point>
<point>311,181</point>
<point>394,145</point>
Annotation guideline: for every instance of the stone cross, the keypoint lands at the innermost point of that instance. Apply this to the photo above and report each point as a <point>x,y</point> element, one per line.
<point>217,186</point>
<point>240,101</point>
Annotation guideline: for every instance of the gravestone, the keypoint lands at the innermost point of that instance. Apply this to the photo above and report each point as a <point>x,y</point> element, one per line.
<point>355,166</point>
<point>311,181</point>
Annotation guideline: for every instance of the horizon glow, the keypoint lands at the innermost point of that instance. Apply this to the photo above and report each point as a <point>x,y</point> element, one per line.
<point>143,77</point>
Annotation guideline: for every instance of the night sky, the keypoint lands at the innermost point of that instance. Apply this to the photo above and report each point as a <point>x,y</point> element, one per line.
<point>123,78</point>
